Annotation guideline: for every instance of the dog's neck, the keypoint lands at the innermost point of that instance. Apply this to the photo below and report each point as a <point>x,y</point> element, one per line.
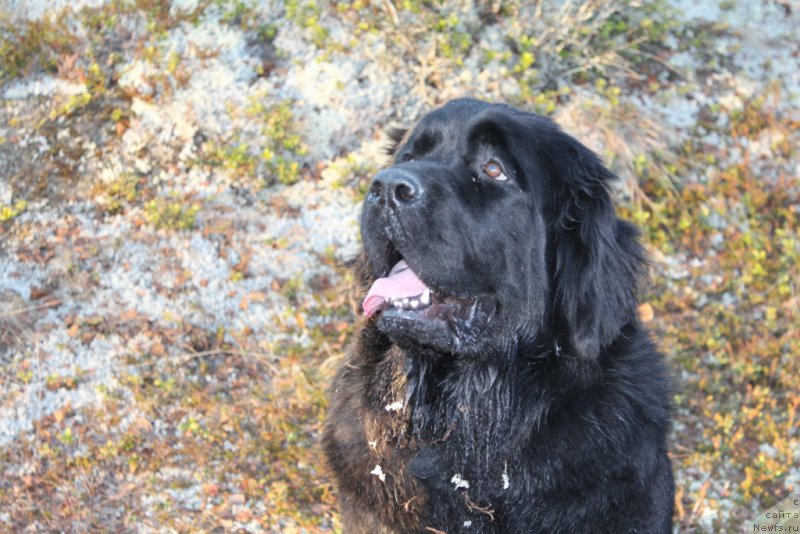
<point>446,393</point>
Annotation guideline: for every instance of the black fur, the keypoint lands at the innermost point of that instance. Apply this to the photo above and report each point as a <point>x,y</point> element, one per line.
<point>540,390</point>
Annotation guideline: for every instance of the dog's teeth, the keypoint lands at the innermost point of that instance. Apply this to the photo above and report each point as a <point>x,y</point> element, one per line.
<point>405,303</point>
<point>425,299</point>
<point>414,304</point>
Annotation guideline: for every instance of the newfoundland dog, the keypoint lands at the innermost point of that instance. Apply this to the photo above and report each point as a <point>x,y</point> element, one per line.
<point>500,380</point>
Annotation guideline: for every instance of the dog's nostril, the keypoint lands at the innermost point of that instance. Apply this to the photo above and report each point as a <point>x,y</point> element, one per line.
<point>376,188</point>
<point>404,192</point>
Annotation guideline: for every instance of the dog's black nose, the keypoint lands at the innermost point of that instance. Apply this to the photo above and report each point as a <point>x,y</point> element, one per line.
<point>395,186</point>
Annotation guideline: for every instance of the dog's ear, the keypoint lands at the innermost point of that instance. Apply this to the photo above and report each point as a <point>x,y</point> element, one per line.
<point>595,259</point>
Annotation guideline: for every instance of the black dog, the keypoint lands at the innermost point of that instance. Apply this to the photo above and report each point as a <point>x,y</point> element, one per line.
<point>501,381</point>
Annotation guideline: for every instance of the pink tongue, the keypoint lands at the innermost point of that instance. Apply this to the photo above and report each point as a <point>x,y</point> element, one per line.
<point>401,283</point>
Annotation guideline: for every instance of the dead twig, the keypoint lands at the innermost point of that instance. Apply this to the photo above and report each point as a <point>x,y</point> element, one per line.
<point>477,508</point>
<point>392,11</point>
<point>407,504</point>
<point>26,309</point>
<point>446,434</point>
<point>189,356</point>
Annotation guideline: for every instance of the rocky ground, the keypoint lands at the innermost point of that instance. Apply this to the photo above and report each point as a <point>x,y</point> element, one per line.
<point>179,184</point>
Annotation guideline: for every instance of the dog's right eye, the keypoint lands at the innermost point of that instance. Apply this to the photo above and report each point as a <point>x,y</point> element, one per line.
<point>405,157</point>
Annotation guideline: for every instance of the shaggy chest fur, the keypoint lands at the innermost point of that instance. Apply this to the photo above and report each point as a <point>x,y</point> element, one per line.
<point>449,428</point>
<point>500,448</point>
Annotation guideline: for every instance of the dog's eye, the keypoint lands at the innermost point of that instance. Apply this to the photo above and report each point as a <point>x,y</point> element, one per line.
<point>493,170</point>
<point>406,156</point>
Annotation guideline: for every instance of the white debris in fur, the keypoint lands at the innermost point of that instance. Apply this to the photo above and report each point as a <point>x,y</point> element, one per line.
<point>394,407</point>
<point>373,445</point>
<point>378,472</point>
<point>467,523</point>
<point>506,480</point>
<point>459,482</point>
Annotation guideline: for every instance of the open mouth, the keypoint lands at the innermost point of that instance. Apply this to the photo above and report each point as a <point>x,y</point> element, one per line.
<point>402,298</point>
<point>401,289</point>
<point>428,303</point>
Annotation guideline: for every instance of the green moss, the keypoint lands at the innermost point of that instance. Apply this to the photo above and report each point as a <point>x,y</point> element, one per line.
<point>284,145</point>
<point>66,437</point>
<point>291,288</point>
<point>115,195</point>
<point>33,45</point>
<point>308,14</point>
<point>278,158</point>
<point>588,48</point>
<point>172,214</point>
<point>9,212</point>
<point>237,158</point>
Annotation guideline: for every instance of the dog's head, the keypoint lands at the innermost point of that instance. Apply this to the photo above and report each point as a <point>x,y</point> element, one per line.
<point>492,227</point>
